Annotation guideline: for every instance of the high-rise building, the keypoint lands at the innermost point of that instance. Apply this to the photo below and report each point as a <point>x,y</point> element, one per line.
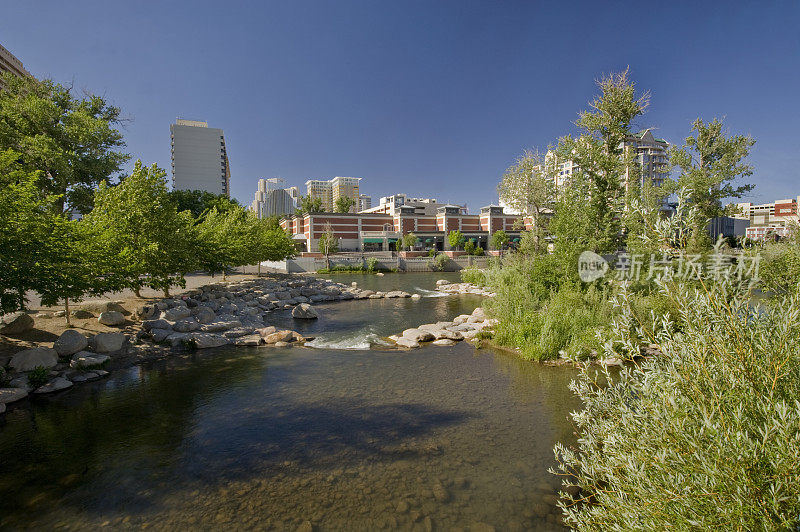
<point>199,157</point>
<point>778,218</point>
<point>9,63</point>
<point>391,205</point>
<point>364,202</point>
<point>333,189</point>
<point>273,199</point>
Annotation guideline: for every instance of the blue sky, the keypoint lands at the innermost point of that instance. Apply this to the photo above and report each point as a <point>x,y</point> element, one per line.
<point>431,98</point>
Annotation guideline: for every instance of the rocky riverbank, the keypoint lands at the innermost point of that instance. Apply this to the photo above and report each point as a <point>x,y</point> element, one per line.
<point>213,315</point>
<point>463,327</point>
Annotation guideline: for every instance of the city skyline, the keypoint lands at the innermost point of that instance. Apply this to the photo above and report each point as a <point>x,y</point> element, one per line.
<point>443,94</point>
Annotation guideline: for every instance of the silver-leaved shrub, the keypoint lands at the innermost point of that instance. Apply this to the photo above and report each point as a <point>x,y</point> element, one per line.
<point>705,437</point>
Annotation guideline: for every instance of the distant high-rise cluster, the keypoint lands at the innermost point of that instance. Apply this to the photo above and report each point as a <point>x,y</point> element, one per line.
<point>331,190</point>
<point>273,198</point>
<point>199,157</point>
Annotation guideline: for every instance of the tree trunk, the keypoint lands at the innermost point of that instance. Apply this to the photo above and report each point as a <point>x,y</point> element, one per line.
<point>166,291</point>
<point>66,311</point>
<point>259,268</point>
<point>137,292</point>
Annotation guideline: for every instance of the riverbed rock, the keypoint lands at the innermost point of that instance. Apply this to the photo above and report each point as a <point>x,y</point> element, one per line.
<point>479,313</point>
<point>145,312</point>
<point>304,311</point>
<point>406,342</point>
<point>266,331</point>
<point>444,341</point>
<point>70,342</point>
<point>418,335</point>
<point>239,331</point>
<point>107,342</point>
<point>458,320</point>
<point>30,359</point>
<point>442,282</point>
<point>206,341</point>
<point>15,323</point>
<point>111,318</point>
<point>2,408</point>
<point>279,336</point>
<point>416,296</point>
<point>10,395</point>
<point>85,359</point>
<point>176,313</point>
<point>55,385</point>
<point>82,314</point>
<point>249,340</point>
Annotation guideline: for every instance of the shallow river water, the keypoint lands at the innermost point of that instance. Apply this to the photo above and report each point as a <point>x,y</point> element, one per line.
<point>342,435</point>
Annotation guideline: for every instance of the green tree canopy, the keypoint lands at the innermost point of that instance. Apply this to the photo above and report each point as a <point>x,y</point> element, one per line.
<point>308,205</point>
<point>408,240</point>
<point>344,204</point>
<point>200,201</point>
<point>140,229</point>
<point>72,141</point>
<point>455,239</point>
<point>224,240</point>
<point>499,239</point>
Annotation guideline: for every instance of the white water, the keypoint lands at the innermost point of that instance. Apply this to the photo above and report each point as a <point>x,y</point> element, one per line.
<point>361,340</point>
<point>430,293</point>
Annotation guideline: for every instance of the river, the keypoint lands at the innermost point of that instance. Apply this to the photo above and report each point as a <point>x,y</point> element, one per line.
<point>347,435</point>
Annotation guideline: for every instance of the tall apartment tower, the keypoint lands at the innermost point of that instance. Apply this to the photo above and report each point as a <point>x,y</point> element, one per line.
<point>273,199</point>
<point>333,189</point>
<point>364,202</point>
<point>199,157</point>
<point>9,63</point>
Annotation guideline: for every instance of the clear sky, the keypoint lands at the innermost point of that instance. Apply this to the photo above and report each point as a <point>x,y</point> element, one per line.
<point>430,98</point>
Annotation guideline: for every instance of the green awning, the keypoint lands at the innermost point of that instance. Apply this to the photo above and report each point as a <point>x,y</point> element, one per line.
<point>428,240</point>
<point>392,239</point>
<point>515,239</point>
<point>373,241</point>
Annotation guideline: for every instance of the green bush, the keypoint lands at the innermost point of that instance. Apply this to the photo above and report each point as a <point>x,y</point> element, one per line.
<point>474,276</point>
<point>479,252</point>
<point>439,262</point>
<point>705,437</point>
<point>38,376</point>
<point>779,268</point>
<point>371,263</point>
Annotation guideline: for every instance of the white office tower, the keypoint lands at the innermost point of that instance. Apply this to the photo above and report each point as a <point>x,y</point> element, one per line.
<point>273,199</point>
<point>199,157</point>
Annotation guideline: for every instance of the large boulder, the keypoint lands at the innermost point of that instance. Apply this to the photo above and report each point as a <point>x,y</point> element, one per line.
<point>111,318</point>
<point>145,312</point>
<point>407,342</point>
<point>176,313</point>
<point>444,341</point>
<point>70,342</point>
<point>9,395</point>
<point>100,306</point>
<point>55,385</point>
<point>279,336</point>
<point>418,335</point>
<point>205,341</point>
<point>15,323</point>
<point>85,359</point>
<point>107,342</point>
<point>204,314</point>
<point>304,311</point>
<point>156,324</point>
<point>249,340</point>
<point>221,326</point>
<point>159,335</point>
<point>30,359</point>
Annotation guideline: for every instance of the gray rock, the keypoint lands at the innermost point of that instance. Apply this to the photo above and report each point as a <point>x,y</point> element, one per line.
<point>418,335</point>
<point>15,323</point>
<point>176,313</point>
<point>145,312</point>
<point>178,339</point>
<point>70,342</point>
<point>205,341</point>
<point>81,314</point>
<point>29,359</point>
<point>159,335</point>
<point>239,331</point>
<point>407,342</point>
<point>220,326</point>
<point>55,385</point>
<point>204,314</point>
<point>479,313</point>
<point>156,324</point>
<point>444,341</point>
<point>9,395</point>
<point>100,306</point>
<point>111,318</point>
<point>2,408</point>
<point>304,311</point>
<point>85,359</point>
<point>249,340</point>
<point>107,342</point>
<point>186,325</point>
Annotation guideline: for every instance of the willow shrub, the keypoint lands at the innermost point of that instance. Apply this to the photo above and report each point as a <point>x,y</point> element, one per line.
<point>706,437</point>
<point>473,275</point>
